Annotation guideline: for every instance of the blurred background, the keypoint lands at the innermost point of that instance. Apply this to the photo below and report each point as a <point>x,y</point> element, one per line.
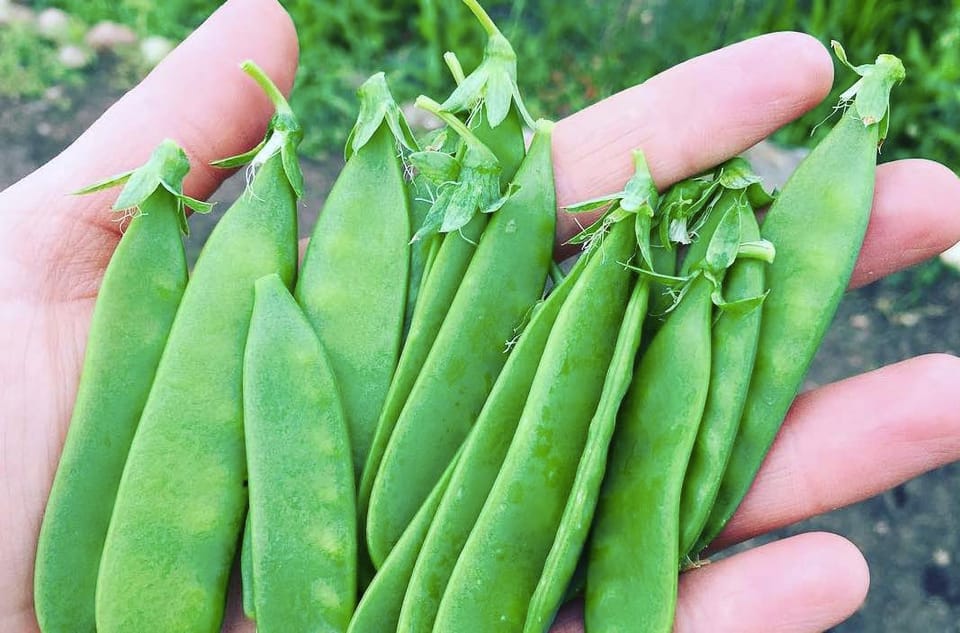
<point>62,62</point>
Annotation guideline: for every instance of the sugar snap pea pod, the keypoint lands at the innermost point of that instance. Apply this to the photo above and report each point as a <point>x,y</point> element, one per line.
<point>639,198</point>
<point>817,224</point>
<point>136,304</point>
<point>380,607</point>
<point>454,252</point>
<point>181,500</point>
<point>505,277</point>
<point>734,345</point>
<point>633,559</point>
<point>480,462</point>
<point>561,563</point>
<point>302,503</point>
<point>353,279</point>
<point>519,519</point>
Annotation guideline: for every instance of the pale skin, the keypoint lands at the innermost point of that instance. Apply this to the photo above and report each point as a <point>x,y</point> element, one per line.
<point>840,444</point>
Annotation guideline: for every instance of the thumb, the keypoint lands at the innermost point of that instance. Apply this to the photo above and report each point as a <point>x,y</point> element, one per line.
<point>197,96</point>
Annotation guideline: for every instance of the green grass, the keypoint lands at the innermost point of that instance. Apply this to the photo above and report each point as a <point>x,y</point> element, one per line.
<point>574,53</point>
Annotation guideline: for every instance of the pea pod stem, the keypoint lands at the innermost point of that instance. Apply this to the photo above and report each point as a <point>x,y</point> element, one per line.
<point>483,17</point>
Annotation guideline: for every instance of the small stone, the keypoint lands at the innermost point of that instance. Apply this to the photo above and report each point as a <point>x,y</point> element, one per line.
<point>14,13</point>
<point>908,319</point>
<point>881,527</point>
<point>44,128</point>
<point>941,557</point>
<point>53,93</point>
<point>72,56</point>
<point>154,48</point>
<point>107,36</point>
<point>53,24</point>
<point>860,321</point>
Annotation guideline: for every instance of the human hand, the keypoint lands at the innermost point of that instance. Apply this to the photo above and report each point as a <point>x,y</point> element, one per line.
<point>840,444</point>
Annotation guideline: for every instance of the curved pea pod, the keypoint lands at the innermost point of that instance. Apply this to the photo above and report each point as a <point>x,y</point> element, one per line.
<point>181,500</point>
<point>505,277</point>
<point>303,543</point>
<point>353,279</point>
<point>440,284</point>
<point>633,559</point>
<point>734,347</point>
<point>479,463</point>
<point>519,519</point>
<point>561,563</point>
<point>380,607</point>
<point>136,304</point>
<point>817,224</point>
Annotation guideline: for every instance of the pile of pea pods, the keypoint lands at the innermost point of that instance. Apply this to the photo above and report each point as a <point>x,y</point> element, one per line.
<point>427,426</point>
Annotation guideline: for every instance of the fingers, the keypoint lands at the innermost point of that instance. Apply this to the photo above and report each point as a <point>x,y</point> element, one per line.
<point>197,96</point>
<point>916,215</point>
<point>690,117</point>
<point>853,439</point>
<point>803,584</point>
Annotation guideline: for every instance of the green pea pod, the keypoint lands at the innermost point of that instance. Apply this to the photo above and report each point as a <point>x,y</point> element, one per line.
<point>440,284</point>
<point>353,279</point>
<point>181,500</point>
<point>817,224</point>
<point>303,544</point>
<point>561,563</point>
<point>480,462</point>
<point>380,607</point>
<point>246,572</point>
<point>505,277</point>
<point>136,304</point>
<point>734,347</point>
<point>633,559</point>
<point>519,519</point>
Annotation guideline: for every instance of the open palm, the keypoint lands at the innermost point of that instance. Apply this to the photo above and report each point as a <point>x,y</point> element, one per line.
<point>840,444</point>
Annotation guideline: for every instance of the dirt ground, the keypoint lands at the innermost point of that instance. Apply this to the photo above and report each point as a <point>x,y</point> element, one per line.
<point>909,535</point>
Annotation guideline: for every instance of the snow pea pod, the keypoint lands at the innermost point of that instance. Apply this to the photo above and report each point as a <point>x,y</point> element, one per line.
<point>633,565</point>
<point>817,223</point>
<point>734,347</point>
<point>561,563</point>
<point>181,499</point>
<point>353,279</point>
<point>440,284</point>
<point>136,303</point>
<point>477,469</point>
<point>303,543</point>
<point>505,277</point>
<point>380,607</point>
<point>498,569</point>
<point>557,578</point>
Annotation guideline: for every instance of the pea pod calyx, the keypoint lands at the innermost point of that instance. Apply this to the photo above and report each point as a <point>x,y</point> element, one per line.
<point>377,106</point>
<point>167,167</point>
<point>494,82</point>
<point>477,188</point>
<point>870,96</point>
<point>283,135</point>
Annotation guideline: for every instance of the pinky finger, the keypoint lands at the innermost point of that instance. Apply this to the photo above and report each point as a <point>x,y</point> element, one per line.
<point>804,584</point>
